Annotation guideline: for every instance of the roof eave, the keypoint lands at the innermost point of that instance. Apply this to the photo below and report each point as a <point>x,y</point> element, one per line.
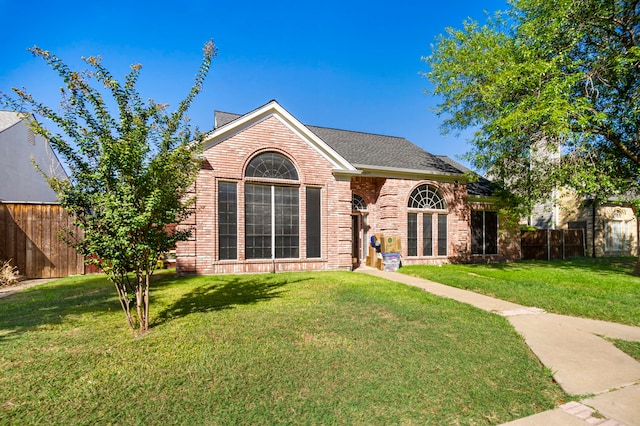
<point>393,172</point>
<point>346,173</point>
<point>477,199</point>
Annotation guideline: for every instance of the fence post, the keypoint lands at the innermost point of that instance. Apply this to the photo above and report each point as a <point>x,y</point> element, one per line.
<point>548,245</point>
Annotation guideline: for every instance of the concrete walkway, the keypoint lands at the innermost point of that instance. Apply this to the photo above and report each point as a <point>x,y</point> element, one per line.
<point>8,290</point>
<point>583,363</point>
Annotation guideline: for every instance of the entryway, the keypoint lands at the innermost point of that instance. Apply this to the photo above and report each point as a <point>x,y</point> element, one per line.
<point>358,238</point>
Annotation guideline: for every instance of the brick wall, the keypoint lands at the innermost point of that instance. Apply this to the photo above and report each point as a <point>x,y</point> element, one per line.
<point>227,161</point>
<point>386,199</point>
<point>509,247</point>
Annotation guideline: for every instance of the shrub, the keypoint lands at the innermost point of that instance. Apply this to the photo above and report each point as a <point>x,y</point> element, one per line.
<point>8,273</point>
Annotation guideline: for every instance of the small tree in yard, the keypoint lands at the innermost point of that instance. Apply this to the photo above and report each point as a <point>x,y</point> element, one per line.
<point>130,173</point>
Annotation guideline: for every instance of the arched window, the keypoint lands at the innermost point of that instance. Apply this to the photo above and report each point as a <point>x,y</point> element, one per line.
<point>271,212</point>
<point>271,165</point>
<point>427,197</point>
<point>427,228</point>
<point>358,203</point>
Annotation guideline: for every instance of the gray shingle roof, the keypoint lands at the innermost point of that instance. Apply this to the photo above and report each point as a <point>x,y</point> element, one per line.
<point>222,118</point>
<point>367,149</point>
<point>370,150</point>
<point>481,187</point>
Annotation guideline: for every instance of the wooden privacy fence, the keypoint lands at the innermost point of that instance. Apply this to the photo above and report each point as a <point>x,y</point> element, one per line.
<point>552,244</point>
<point>29,236</point>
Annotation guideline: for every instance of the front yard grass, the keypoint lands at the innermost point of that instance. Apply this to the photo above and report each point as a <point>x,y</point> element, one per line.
<point>291,348</point>
<point>601,288</point>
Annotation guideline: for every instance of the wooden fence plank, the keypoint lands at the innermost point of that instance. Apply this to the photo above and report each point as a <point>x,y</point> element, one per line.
<point>29,234</point>
<point>21,240</point>
<point>3,232</point>
<point>552,244</point>
<point>47,224</point>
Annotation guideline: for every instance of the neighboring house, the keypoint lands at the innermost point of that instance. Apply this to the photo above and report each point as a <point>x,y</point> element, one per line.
<point>274,194</point>
<point>19,148</point>
<point>30,217</point>
<point>545,215</point>
<point>610,228</point>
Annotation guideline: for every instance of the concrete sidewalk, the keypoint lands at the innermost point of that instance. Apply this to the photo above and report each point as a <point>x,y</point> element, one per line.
<point>9,290</point>
<point>582,361</point>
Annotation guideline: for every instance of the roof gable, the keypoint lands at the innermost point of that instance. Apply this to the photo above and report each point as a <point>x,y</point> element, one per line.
<point>9,119</point>
<point>228,125</point>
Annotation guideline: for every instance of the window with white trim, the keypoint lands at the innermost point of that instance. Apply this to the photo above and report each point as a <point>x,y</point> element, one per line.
<point>616,237</point>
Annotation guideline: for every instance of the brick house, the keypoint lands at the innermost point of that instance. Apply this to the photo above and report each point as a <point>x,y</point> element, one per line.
<point>276,195</point>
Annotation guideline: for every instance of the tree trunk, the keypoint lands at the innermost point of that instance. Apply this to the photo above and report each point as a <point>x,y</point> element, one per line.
<point>636,270</point>
<point>123,296</point>
<point>140,301</point>
<point>146,301</point>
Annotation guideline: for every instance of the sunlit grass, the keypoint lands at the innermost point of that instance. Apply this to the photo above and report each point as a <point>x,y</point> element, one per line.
<point>310,348</point>
<point>631,348</point>
<point>592,288</point>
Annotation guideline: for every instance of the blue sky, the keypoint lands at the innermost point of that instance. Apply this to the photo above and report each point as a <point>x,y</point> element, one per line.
<point>344,64</point>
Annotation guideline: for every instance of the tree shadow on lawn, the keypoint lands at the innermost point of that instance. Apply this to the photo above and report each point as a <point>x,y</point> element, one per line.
<point>50,303</point>
<point>223,292</point>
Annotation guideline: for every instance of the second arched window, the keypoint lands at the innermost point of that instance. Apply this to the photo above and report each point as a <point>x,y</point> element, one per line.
<point>426,222</point>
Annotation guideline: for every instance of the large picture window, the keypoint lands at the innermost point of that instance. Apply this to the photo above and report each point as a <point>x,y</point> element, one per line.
<point>484,232</point>
<point>271,221</point>
<point>427,213</point>
<point>271,210</point>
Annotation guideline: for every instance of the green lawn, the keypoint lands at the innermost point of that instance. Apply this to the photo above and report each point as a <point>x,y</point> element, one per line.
<point>631,348</point>
<point>305,348</point>
<point>600,288</point>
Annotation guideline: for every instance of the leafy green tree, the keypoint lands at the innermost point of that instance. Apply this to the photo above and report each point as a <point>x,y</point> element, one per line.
<point>130,172</point>
<point>552,90</point>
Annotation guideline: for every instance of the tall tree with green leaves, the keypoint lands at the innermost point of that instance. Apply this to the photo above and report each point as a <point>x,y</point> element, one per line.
<point>552,91</point>
<point>131,170</point>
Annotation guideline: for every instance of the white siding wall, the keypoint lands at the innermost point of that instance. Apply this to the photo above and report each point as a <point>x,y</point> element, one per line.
<point>19,180</point>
